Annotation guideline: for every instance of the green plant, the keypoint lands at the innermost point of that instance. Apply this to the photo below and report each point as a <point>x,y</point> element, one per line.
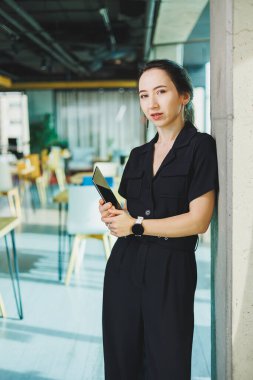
<point>43,135</point>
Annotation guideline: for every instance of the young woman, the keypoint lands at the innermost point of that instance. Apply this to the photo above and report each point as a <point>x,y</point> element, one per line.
<point>170,186</point>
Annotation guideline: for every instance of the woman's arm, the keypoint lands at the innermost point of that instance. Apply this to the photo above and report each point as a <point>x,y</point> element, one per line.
<point>196,221</point>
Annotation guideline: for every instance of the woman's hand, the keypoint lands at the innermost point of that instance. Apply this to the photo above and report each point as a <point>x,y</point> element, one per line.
<point>106,209</point>
<point>120,224</point>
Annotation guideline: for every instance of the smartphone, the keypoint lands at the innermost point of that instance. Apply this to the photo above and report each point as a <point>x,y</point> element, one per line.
<point>104,189</point>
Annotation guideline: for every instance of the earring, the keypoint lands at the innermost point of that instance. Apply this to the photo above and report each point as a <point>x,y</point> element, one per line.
<point>147,123</point>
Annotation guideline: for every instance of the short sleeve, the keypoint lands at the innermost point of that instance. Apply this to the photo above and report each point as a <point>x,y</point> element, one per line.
<point>123,183</point>
<point>204,176</point>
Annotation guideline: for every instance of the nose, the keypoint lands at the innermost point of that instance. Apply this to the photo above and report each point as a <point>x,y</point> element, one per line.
<point>153,102</point>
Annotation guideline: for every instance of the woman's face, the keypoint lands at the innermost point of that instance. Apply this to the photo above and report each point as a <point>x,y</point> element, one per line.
<point>159,99</point>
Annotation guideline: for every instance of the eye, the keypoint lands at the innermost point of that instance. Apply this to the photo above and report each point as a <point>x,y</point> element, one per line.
<point>142,96</point>
<point>161,91</point>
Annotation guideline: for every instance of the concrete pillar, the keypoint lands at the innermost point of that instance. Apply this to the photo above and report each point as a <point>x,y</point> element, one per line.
<point>232,248</point>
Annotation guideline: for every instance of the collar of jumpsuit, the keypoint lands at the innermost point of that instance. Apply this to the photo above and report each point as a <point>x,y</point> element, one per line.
<point>183,138</point>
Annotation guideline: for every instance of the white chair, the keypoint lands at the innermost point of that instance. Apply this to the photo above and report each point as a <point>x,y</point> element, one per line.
<point>109,169</point>
<point>84,221</point>
<point>7,189</point>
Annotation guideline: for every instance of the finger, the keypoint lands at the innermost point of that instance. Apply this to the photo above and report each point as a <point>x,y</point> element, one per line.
<point>101,201</point>
<point>118,212</point>
<point>105,214</point>
<point>110,213</point>
<point>105,207</point>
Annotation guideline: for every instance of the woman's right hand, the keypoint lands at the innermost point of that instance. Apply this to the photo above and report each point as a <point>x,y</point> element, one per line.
<point>105,209</point>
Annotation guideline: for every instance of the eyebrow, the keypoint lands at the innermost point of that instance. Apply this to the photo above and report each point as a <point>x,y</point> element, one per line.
<point>155,88</point>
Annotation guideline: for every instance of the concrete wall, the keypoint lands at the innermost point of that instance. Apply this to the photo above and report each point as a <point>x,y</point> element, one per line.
<point>232,125</point>
<point>242,333</point>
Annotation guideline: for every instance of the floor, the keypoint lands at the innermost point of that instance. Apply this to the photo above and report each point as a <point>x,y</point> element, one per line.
<point>60,335</point>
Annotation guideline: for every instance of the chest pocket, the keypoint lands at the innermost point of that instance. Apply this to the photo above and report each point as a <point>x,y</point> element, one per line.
<point>134,184</point>
<point>173,182</point>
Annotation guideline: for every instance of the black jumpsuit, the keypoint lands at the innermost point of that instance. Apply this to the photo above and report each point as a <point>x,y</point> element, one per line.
<point>150,281</point>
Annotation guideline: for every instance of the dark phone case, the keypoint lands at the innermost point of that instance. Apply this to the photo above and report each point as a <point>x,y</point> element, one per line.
<point>108,196</point>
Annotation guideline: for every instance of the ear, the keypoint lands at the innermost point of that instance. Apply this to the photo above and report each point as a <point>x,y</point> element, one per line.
<point>185,98</point>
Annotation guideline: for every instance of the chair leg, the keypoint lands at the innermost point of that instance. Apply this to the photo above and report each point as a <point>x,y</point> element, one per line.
<point>14,202</point>
<point>112,240</point>
<point>41,190</point>
<point>72,260</point>
<point>3,313</point>
<point>33,199</point>
<point>79,258</point>
<point>106,245</point>
<point>61,179</point>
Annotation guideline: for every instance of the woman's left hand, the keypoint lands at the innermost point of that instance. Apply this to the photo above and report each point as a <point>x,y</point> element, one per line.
<point>120,224</point>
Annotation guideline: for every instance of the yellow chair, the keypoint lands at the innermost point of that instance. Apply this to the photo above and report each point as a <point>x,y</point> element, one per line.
<point>55,164</point>
<point>36,177</point>
<point>29,171</point>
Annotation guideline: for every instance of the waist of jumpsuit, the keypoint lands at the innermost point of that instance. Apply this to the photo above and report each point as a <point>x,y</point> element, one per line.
<point>187,243</point>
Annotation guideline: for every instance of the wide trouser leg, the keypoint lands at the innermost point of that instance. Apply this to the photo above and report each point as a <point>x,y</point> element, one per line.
<point>122,323</point>
<point>168,302</point>
<point>148,312</point>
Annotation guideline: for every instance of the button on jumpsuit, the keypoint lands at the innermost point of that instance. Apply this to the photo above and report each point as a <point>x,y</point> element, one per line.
<point>150,281</point>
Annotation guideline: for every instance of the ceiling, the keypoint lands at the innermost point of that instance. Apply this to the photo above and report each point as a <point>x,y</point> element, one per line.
<point>75,40</point>
<point>71,40</point>
<point>176,20</point>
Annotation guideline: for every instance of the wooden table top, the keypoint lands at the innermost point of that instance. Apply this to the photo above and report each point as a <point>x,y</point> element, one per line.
<point>7,224</point>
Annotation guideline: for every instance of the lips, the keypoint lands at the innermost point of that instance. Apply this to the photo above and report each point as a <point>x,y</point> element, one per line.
<point>156,116</point>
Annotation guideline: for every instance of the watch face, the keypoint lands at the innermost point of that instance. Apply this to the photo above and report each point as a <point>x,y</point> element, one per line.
<point>137,229</point>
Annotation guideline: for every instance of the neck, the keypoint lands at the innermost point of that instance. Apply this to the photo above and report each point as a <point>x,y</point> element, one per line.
<point>169,133</point>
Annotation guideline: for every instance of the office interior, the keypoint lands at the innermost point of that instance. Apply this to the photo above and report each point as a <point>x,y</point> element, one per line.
<point>68,103</point>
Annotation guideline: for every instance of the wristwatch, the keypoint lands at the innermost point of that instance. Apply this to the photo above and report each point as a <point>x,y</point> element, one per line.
<point>137,228</point>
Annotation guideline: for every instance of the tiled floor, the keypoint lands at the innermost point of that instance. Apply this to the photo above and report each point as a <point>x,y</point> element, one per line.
<point>60,336</point>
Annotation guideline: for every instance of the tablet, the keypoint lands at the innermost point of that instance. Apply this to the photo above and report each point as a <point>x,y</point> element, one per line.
<point>104,189</point>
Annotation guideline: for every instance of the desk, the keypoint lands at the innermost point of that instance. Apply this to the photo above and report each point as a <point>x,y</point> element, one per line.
<point>7,226</point>
<point>62,199</point>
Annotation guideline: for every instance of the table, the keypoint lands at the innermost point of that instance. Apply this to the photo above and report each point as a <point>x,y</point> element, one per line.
<point>7,226</point>
<point>61,199</point>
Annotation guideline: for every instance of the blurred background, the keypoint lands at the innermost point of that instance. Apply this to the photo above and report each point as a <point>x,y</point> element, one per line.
<point>68,102</point>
